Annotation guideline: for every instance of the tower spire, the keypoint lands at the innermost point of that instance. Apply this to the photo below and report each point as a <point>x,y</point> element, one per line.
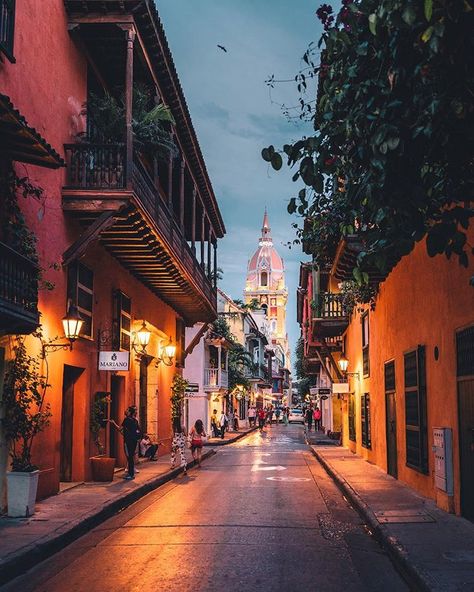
<point>266,236</point>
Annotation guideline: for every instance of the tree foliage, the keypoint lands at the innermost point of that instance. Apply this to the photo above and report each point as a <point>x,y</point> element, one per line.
<point>392,157</point>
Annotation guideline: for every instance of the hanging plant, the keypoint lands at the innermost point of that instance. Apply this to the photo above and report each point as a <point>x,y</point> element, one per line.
<point>25,412</point>
<point>354,294</point>
<point>178,389</point>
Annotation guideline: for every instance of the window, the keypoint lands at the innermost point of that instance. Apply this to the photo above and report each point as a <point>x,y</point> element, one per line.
<point>415,410</point>
<point>80,291</point>
<point>264,278</point>
<point>122,321</point>
<point>365,420</point>
<point>7,27</point>
<point>365,344</point>
<point>180,343</point>
<point>389,375</point>
<point>352,429</point>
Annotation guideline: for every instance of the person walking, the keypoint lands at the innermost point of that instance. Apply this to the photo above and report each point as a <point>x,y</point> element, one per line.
<point>214,424</point>
<point>261,419</point>
<point>277,415</point>
<point>223,422</point>
<point>317,419</point>
<point>178,445</point>
<point>286,413</point>
<point>197,435</point>
<point>130,431</point>
<point>309,417</point>
<point>236,420</point>
<point>270,415</point>
<point>252,415</point>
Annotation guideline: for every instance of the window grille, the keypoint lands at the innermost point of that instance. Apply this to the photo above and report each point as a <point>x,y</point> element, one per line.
<point>415,410</point>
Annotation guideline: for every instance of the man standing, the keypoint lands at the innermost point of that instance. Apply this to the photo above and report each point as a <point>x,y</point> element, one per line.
<point>309,417</point>
<point>252,414</point>
<point>130,431</point>
<point>317,419</point>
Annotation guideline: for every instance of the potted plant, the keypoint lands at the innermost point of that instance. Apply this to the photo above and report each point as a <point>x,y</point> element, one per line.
<point>102,465</point>
<point>25,414</point>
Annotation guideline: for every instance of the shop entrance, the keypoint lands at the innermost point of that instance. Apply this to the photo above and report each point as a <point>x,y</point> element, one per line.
<point>70,377</point>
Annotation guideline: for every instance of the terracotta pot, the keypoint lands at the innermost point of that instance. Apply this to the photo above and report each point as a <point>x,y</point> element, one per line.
<point>102,468</point>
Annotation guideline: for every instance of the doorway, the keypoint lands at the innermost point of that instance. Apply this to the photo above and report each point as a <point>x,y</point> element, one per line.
<point>70,377</point>
<point>391,433</point>
<point>465,376</point>
<point>117,385</point>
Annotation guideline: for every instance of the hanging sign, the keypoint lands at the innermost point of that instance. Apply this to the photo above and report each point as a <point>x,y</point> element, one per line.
<point>324,392</point>
<point>112,360</point>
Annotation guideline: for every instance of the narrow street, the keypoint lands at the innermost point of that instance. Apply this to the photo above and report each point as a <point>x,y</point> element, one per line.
<point>262,514</point>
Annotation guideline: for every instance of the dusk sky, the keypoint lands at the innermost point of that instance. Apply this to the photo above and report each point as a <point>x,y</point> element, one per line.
<point>234,116</point>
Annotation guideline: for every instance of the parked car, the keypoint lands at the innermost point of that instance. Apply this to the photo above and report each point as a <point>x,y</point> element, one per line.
<point>296,415</point>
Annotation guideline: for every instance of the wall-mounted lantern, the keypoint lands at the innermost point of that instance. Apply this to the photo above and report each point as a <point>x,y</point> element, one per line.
<point>344,365</point>
<point>141,339</point>
<point>166,354</point>
<point>72,324</point>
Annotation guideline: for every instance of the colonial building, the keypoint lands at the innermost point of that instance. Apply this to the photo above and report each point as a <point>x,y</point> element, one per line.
<point>126,232</point>
<point>265,284</point>
<point>405,363</point>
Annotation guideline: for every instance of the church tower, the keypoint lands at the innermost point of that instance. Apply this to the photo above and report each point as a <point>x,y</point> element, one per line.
<point>266,284</point>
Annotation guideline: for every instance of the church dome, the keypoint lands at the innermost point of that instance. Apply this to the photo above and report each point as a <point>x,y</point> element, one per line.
<point>265,267</point>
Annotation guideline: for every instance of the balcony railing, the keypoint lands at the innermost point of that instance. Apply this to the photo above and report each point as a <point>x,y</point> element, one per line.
<point>215,378</point>
<point>102,167</point>
<point>95,166</point>
<point>329,316</point>
<point>7,27</point>
<point>18,292</point>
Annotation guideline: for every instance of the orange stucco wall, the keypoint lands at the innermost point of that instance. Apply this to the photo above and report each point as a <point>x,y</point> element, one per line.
<point>422,302</point>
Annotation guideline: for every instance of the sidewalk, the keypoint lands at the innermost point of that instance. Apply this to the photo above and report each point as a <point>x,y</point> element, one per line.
<point>230,437</point>
<point>62,518</point>
<point>433,549</point>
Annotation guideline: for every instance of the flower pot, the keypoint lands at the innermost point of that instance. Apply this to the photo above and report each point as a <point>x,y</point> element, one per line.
<point>102,468</point>
<point>21,492</point>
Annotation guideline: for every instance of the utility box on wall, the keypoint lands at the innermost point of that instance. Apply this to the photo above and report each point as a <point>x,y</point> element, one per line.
<point>443,454</point>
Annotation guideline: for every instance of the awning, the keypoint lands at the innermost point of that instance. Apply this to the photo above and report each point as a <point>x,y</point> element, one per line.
<point>19,141</point>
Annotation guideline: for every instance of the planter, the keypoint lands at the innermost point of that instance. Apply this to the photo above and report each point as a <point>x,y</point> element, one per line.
<point>21,491</point>
<point>102,468</point>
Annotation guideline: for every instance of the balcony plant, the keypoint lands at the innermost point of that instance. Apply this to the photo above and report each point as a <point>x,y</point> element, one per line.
<point>152,124</point>
<point>25,415</point>
<point>178,389</point>
<point>101,464</point>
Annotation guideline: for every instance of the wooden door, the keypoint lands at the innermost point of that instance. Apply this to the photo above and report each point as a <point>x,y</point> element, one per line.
<point>391,434</point>
<point>466,445</point>
<point>117,384</point>
<point>70,376</point>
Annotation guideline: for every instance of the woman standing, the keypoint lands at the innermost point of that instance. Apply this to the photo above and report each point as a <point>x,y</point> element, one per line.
<point>178,445</point>
<point>197,434</point>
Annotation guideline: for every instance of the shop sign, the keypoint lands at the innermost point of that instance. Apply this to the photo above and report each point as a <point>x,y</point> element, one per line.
<point>112,360</point>
<point>192,390</point>
<point>324,392</point>
<point>340,387</point>
<point>313,390</point>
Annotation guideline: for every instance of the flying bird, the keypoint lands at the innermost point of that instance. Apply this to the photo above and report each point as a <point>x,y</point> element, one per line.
<point>222,47</point>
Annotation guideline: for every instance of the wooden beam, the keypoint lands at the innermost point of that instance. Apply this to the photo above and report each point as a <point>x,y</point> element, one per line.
<point>130,37</point>
<point>93,205</point>
<point>323,364</point>
<point>193,222</point>
<point>195,340</point>
<point>79,247</point>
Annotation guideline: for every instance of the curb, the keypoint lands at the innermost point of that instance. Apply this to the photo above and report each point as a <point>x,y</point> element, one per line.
<point>23,561</point>
<point>238,437</point>
<point>396,551</point>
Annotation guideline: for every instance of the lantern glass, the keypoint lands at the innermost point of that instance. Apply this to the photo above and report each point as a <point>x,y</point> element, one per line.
<point>343,363</point>
<point>143,336</point>
<point>72,323</point>
<point>170,350</point>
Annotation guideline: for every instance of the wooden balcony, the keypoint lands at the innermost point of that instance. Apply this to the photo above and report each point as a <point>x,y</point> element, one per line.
<point>329,318</point>
<point>18,293</point>
<point>215,379</point>
<point>133,221</point>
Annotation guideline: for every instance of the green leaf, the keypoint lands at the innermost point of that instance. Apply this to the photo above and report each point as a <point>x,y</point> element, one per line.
<point>428,9</point>
<point>357,273</point>
<point>409,15</point>
<point>373,23</point>
<point>291,206</point>
<point>393,143</point>
<point>276,161</point>
<point>266,155</point>
<point>427,34</point>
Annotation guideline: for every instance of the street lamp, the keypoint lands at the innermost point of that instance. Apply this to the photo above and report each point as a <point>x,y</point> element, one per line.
<point>344,365</point>
<point>166,354</point>
<point>72,325</point>
<point>142,339</point>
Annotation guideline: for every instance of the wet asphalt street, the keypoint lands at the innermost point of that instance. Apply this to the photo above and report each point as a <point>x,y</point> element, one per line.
<point>261,515</point>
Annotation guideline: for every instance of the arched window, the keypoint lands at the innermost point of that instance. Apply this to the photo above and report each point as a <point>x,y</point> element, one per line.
<point>264,278</point>
<point>265,308</point>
